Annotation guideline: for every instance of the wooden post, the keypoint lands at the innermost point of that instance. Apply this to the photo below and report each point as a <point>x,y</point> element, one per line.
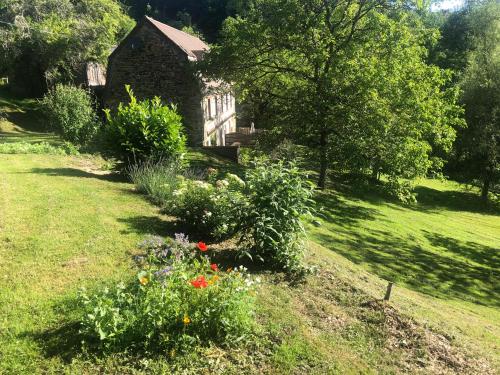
<point>388,292</point>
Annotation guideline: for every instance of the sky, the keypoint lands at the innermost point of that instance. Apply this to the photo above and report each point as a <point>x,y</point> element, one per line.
<point>447,5</point>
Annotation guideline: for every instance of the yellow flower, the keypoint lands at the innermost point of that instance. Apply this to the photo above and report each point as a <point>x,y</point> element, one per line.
<point>186,320</point>
<point>144,280</point>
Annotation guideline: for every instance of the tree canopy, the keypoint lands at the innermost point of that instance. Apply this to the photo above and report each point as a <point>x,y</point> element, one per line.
<point>478,145</point>
<point>48,40</point>
<point>348,79</point>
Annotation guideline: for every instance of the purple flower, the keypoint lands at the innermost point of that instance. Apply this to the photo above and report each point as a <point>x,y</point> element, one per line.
<point>182,239</point>
<point>164,272</point>
<point>152,242</point>
<point>161,253</point>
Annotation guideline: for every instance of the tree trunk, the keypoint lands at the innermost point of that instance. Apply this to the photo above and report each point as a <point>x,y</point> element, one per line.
<point>323,166</point>
<point>486,187</point>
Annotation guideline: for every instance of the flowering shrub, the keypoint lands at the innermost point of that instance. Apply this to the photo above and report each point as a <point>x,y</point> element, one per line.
<point>177,300</point>
<point>157,178</point>
<point>210,210</point>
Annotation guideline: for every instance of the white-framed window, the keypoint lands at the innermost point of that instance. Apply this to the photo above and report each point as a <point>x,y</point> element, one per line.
<point>209,108</point>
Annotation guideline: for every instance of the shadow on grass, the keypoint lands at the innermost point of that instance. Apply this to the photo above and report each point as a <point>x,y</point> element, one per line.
<point>200,159</point>
<point>453,200</point>
<point>63,342</point>
<point>336,209</point>
<point>467,271</point>
<point>29,121</point>
<point>73,172</point>
<point>151,225</point>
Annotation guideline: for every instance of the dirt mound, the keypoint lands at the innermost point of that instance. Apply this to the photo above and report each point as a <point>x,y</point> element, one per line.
<point>423,348</point>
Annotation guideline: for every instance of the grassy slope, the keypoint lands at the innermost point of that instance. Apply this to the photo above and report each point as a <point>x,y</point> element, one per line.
<point>446,246</point>
<point>61,228</point>
<point>22,122</point>
<point>64,224</point>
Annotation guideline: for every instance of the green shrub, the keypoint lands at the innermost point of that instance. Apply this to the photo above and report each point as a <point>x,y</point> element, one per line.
<point>37,148</point>
<point>144,129</point>
<point>279,195</point>
<point>70,112</point>
<point>178,300</point>
<point>210,210</point>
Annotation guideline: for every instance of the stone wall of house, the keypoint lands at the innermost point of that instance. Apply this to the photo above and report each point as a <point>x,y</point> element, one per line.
<point>154,66</point>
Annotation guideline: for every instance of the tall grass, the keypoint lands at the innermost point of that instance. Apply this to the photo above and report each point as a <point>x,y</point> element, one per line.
<point>159,179</point>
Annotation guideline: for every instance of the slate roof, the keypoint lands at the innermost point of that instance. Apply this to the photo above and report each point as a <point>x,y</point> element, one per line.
<point>191,45</point>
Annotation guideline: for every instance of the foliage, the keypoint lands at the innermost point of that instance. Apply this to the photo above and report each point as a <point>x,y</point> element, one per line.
<point>205,15</point>
<point>278,195</point>
<point>48,41</point>
<point>179,300</point>
<point>347,79</point>
<point>210,210</point>
<point>144,129</point>
<point>157,179</point>
<point>37,148</point>
<point>265,210</point>
<point>478,147</point>
<point>70,112</point>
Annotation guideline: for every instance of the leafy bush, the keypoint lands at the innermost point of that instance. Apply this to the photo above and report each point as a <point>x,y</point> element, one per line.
<point>37,148</point>
<point>178,299</point>
<point>403,190</point>
<point>278,194</point>
<point>147,128</point>
<point>70,112</point>
<point>210,210</point>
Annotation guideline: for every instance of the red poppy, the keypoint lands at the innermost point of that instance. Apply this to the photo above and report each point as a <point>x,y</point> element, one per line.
<point>202,246</point>
<point>214,267</point>
<point>200,282</point>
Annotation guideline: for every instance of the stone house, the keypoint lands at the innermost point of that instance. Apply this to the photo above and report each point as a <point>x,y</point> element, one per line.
<point>158,60</point>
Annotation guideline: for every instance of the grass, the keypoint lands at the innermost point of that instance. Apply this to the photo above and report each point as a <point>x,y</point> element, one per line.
<point>65,223</point>
<point>22,120</point>
<point>446,246</point>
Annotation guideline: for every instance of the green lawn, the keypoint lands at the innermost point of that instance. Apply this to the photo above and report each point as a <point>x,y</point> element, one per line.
<point>446,246</point>
<point>65,223</point>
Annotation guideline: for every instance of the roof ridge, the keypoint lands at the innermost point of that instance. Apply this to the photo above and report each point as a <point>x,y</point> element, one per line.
<point>190,44</point>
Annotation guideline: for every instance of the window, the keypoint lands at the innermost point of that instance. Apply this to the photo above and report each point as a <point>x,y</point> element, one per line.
<point>227,100</point>
<point>222,103</point>
<point>216,109</point>
<point>209,108</point>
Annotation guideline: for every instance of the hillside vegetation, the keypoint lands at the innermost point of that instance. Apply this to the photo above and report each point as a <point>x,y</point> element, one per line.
<point>67,222</point>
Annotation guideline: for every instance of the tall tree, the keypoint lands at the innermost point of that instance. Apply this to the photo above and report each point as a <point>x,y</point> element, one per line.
<point>347,79</point>
<point>49,39</point>
<point>478,147</point>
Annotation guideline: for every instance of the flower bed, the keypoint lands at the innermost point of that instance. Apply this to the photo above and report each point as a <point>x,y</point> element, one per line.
<point>178,299</point>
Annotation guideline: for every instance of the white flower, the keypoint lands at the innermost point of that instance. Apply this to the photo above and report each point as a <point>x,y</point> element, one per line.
<point>222,184</point>
<point>201,184</point>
